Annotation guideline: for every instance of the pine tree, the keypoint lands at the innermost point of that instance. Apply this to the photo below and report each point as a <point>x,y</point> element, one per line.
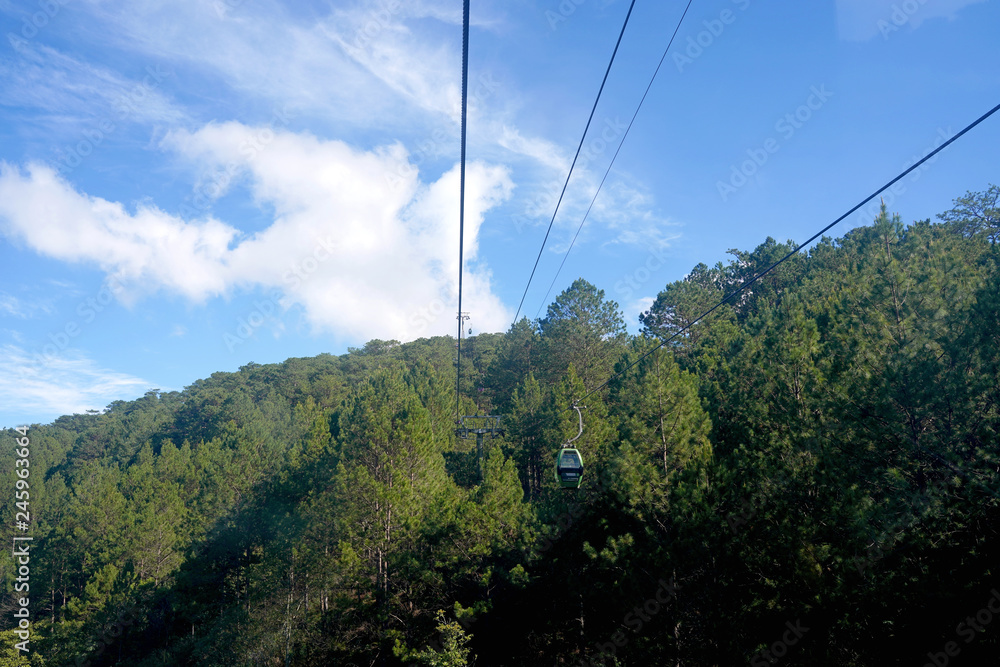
<point>584,330</point>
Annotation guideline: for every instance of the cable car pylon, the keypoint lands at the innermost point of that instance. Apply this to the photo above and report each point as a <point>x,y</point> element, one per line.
<point>569,461</point>
<point>478,425</point>
<point>481,426</point>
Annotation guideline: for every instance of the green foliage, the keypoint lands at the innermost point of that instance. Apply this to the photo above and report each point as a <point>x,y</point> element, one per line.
<point>977,214</point>
<point>10,656</point>
<point>454,651</point>
<point>583,330</point>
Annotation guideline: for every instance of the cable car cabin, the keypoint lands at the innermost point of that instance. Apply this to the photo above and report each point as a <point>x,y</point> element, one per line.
<point>569,468</point>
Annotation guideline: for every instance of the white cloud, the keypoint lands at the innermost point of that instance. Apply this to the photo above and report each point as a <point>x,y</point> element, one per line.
<point>357,240</point>
<point>61,384</point>
<point>145,247</point>
<point>434,215</point>
<point>634,309</point>
<point>860,20</point>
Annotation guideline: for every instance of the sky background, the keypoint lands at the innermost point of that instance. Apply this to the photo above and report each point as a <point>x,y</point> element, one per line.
<point>192,185</point>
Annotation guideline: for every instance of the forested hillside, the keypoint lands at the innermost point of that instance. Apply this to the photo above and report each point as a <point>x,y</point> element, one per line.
<point>808,477</point>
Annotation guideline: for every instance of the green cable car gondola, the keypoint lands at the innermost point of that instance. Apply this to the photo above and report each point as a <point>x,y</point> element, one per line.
<point>569,468</point>
<point>569,461</point>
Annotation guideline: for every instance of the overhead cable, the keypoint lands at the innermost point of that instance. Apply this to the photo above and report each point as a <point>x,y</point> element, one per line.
<point>575,157</point>
<point>812,238</point>
<point>614,157</point>
<point>461,205</point>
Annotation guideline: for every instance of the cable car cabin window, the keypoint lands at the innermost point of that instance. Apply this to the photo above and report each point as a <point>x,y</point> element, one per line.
<point>570,459</point>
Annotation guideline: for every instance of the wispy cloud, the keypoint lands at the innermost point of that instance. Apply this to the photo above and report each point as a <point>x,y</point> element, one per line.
<point>861,20</point>
<point>420,65</point>
<point>12,306</point>
<point>627,211</point>
<point>69,91</point>
<point>65,384</point>
<point>256,50</point>
<point>545,152</point>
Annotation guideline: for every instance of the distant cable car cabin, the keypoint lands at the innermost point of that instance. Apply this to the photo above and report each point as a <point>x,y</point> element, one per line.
<point>569,468</point>
<point>569,461</point>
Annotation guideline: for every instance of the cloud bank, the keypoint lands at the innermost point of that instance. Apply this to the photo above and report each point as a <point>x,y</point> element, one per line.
<point>357,239</point>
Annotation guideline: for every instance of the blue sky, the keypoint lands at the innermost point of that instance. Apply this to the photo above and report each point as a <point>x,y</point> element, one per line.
<point>189,186</point>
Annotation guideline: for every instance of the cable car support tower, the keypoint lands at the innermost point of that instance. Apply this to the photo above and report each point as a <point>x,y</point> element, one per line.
<point>481,426</point>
